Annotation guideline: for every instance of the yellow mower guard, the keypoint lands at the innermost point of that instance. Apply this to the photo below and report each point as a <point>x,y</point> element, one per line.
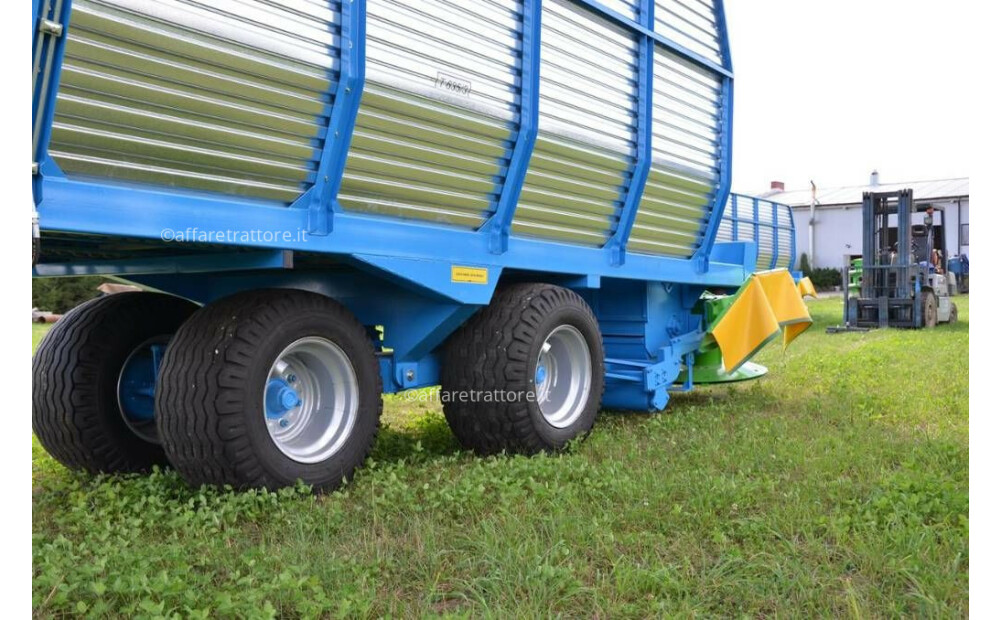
<point>769,303</point>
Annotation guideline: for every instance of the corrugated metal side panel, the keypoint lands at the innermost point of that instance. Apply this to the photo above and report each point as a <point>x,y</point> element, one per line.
<point>765,247</point>
<point>690,23</point>
<point>746,225</point>
<point>219,96</point>
<point>586,147</point>
<point>726,229</point>
<point>628,8</point>
<point>785,234</point>
<point>433,134</point>
<point>684,176</point>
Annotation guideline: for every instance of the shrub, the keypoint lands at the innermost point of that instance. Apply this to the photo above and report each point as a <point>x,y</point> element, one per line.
<point>825,277</point>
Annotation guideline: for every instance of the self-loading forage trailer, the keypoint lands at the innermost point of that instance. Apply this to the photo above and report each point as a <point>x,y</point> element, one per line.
<point>329,200</point>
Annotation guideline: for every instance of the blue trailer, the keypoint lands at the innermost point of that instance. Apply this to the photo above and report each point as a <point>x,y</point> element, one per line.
<point>526,202</point>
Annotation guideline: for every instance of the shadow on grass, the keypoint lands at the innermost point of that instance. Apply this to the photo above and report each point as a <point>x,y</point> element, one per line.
<point>424,436</point>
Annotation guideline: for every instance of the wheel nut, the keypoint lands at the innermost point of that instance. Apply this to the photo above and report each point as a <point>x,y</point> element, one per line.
<point>283,423</point>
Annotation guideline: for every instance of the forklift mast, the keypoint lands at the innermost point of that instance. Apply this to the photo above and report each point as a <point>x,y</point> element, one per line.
<point>886,266</point>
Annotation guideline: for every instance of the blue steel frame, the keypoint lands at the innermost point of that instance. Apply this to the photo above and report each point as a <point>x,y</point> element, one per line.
<point>413,292</point>
<point>618,244</point>
<point>48,50</point>
<point>319,199</point>
<point>725,142</point>
<point>78,206</point>
<point>498,226</point>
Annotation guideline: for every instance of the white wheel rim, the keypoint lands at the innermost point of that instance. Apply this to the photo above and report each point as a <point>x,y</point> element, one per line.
<point>563,376</point>
<point>311,400</point>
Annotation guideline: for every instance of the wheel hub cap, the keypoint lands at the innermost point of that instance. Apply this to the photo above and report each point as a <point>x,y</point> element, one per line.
<point>563,376</point>
<point>311,400</point>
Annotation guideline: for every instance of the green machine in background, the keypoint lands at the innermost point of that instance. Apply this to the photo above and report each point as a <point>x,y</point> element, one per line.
<point>854,277</point>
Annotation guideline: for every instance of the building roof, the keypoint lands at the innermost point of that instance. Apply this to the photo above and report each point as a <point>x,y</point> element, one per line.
<point>927,191</point>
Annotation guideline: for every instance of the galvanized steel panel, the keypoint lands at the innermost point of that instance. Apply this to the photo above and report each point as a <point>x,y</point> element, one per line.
<point>219,96</point>
<point>628,8</point>
<point>586,147</point>
<point>437,116</point>
<point>686,152</point>
<point>690,23</point>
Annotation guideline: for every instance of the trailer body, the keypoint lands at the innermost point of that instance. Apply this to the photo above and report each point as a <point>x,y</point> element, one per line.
<point>406,158</point>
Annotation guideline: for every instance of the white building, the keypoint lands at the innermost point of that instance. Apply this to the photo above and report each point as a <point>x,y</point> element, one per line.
<point>837,234</point>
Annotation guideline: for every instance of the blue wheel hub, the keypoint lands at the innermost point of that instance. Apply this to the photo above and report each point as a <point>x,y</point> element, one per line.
<point>137,384</point>
<point>540,374</point>
<point>137,387</point>
<point>280,398</point>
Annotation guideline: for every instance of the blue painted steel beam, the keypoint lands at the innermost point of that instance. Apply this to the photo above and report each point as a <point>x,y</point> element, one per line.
<point>736,220</point>
<point>50,49</point>
<point>320,198</point>
<point>724,69</point>
<point>191,263</point>
<point>498,226</point>
<point>774,232</point>
<point>793,244</point>
<point>725,144</point>
<point>618,244</point>
<point>105,209</point>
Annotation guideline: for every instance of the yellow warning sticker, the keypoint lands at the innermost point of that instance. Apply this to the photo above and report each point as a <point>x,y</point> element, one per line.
<point>470,275</point>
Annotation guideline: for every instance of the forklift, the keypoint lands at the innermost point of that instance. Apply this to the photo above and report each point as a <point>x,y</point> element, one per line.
<point>904,278</point>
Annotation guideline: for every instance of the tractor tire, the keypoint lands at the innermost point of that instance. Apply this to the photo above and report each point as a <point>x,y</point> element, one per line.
<point>77,413</point>
<point>526,373</point>
<point>267,388</point>
<point>928,301</point>
<point>953,315</point>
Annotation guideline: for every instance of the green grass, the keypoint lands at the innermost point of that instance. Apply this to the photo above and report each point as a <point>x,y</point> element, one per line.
<point>836,485</point>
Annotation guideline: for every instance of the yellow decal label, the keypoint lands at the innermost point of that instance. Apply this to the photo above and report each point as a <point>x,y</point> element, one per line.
<point>470,275</point>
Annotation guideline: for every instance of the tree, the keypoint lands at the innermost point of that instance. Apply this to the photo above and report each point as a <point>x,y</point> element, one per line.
<point>60,295</point>
<point>804,265</point>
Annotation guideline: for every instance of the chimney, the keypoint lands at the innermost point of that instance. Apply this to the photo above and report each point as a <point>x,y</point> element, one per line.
<point>874,181</point>
<point>778,186</point>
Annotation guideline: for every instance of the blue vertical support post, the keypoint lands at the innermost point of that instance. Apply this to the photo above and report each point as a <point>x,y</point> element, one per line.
<point>792,241</point>
<point>736,218</point>
<point>51,29</point>
<point>320,199</point>
<point>498,226</point>
<point>756,226</point>
<point>618,244</point>
<point>774,232</point>
<point>725,143</point>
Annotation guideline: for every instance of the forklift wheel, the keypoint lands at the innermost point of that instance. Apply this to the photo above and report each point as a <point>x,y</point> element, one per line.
<point>929,304</point>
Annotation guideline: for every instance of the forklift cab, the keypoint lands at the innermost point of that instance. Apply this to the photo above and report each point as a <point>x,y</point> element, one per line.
<point>926,244</point>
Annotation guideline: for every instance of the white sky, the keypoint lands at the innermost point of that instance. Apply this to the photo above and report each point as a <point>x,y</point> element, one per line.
<point>832,90</point>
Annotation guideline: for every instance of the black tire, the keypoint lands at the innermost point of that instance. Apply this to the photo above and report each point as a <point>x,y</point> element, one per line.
<point>928,302</point>
<point>75,412</point>
<point>496,352</point>
<point>209,406</point>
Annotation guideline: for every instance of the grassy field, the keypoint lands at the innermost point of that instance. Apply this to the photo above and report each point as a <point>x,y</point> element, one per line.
<point>836,485</point>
